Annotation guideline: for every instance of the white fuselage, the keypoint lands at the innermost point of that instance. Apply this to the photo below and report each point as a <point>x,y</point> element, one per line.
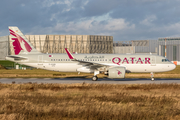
<point>132,63</point>
<point>73,67</point>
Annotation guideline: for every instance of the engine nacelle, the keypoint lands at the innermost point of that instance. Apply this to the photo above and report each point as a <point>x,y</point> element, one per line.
<point>116,72</point>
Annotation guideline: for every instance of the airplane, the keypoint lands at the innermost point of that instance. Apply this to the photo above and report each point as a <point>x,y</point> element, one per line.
<point>112,65</point>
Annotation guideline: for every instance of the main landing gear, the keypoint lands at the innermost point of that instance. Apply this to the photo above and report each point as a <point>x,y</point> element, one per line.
<point>152,76</point>
<point>95,78</point>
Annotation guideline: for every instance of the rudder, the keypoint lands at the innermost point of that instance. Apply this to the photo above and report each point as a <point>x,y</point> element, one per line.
<point>20,43</point>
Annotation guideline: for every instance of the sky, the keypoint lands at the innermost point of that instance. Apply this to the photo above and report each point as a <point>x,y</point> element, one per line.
<point>125,20</point>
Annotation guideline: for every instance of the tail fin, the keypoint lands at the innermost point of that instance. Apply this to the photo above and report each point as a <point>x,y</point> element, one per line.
<point>20,42</point>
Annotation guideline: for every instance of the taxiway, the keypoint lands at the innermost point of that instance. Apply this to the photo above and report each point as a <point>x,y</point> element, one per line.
<point>83,80</point>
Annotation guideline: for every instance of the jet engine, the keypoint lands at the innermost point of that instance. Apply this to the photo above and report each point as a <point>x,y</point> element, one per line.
<point>116,72</point>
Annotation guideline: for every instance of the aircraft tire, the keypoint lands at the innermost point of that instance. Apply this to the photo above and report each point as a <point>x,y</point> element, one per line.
<point>152,79</point>
<point>94,78</point>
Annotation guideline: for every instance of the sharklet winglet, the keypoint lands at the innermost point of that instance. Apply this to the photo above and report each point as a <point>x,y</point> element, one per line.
<point>69,54</point>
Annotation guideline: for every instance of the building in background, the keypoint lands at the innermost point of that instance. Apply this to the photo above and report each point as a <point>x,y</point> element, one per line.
<point>57,43</point>
<point>136,46</point>
<point>172,46</point>
<point>4,47</point>
<point>96,44</point>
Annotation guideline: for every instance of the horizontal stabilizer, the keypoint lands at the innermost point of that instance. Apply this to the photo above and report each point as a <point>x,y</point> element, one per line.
<point>16,58</point>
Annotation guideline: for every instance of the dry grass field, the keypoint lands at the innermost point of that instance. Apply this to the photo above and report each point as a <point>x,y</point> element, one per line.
<point>33,101</point>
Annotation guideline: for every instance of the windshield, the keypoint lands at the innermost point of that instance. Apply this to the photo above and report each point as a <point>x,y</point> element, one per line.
<point>165,60</point>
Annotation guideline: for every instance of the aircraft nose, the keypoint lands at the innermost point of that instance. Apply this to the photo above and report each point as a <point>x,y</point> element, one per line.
<point>172,66</point>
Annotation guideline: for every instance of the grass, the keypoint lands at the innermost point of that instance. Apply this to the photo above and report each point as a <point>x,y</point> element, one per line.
<point>170,74</point>
<point>89,101</point>
<point>39,73</point>
<point>7,63</point>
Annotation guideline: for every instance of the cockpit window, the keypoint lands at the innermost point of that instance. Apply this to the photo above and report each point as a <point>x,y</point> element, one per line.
<point>165,60</point>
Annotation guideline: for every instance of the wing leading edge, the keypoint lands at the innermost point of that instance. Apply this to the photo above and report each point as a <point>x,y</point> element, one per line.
<point>93,65</point>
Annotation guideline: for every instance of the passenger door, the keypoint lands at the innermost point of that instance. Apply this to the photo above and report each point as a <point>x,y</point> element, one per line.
<point>153,60</point>
<point>40,60</point>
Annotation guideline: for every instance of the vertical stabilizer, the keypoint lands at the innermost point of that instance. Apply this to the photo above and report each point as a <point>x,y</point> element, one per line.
<point>20,43</point>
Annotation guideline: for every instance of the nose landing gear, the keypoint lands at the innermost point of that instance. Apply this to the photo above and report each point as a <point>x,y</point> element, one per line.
<point>94,78</point>
<point>152,76</point>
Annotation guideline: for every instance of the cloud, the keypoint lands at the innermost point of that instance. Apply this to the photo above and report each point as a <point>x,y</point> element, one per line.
<point>148,20</point>
<point>51,3</point>
<point>173,27</point>
<point>123,19</point>
<point>94,27</point>
<point>173,30</point>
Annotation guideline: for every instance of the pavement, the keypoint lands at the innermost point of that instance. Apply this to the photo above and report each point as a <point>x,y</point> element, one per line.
<point>84,80</point>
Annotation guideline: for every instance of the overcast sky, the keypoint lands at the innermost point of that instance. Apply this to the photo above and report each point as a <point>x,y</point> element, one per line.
<point>122,19</point>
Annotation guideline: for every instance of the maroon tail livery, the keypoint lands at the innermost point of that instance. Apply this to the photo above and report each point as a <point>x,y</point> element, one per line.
<point>18,41</point>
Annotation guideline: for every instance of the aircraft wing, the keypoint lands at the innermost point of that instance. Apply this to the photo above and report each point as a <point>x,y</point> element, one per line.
<point>92,64</point>
<point>86,63</point>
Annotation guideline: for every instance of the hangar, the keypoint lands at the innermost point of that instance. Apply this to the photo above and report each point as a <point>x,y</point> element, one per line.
<point>4,47</point>
<point>57,43</point>
<point>168,47</point>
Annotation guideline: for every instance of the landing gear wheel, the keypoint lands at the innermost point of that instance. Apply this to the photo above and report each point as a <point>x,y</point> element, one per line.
<point>152,76</point>
<point>94,78</point>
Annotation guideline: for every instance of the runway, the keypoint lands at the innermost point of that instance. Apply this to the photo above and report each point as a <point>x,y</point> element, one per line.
<point>83,80</point>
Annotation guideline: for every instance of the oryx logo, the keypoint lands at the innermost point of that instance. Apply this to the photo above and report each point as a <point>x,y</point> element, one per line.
<point>119,72</point>
<point>19,43</point>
